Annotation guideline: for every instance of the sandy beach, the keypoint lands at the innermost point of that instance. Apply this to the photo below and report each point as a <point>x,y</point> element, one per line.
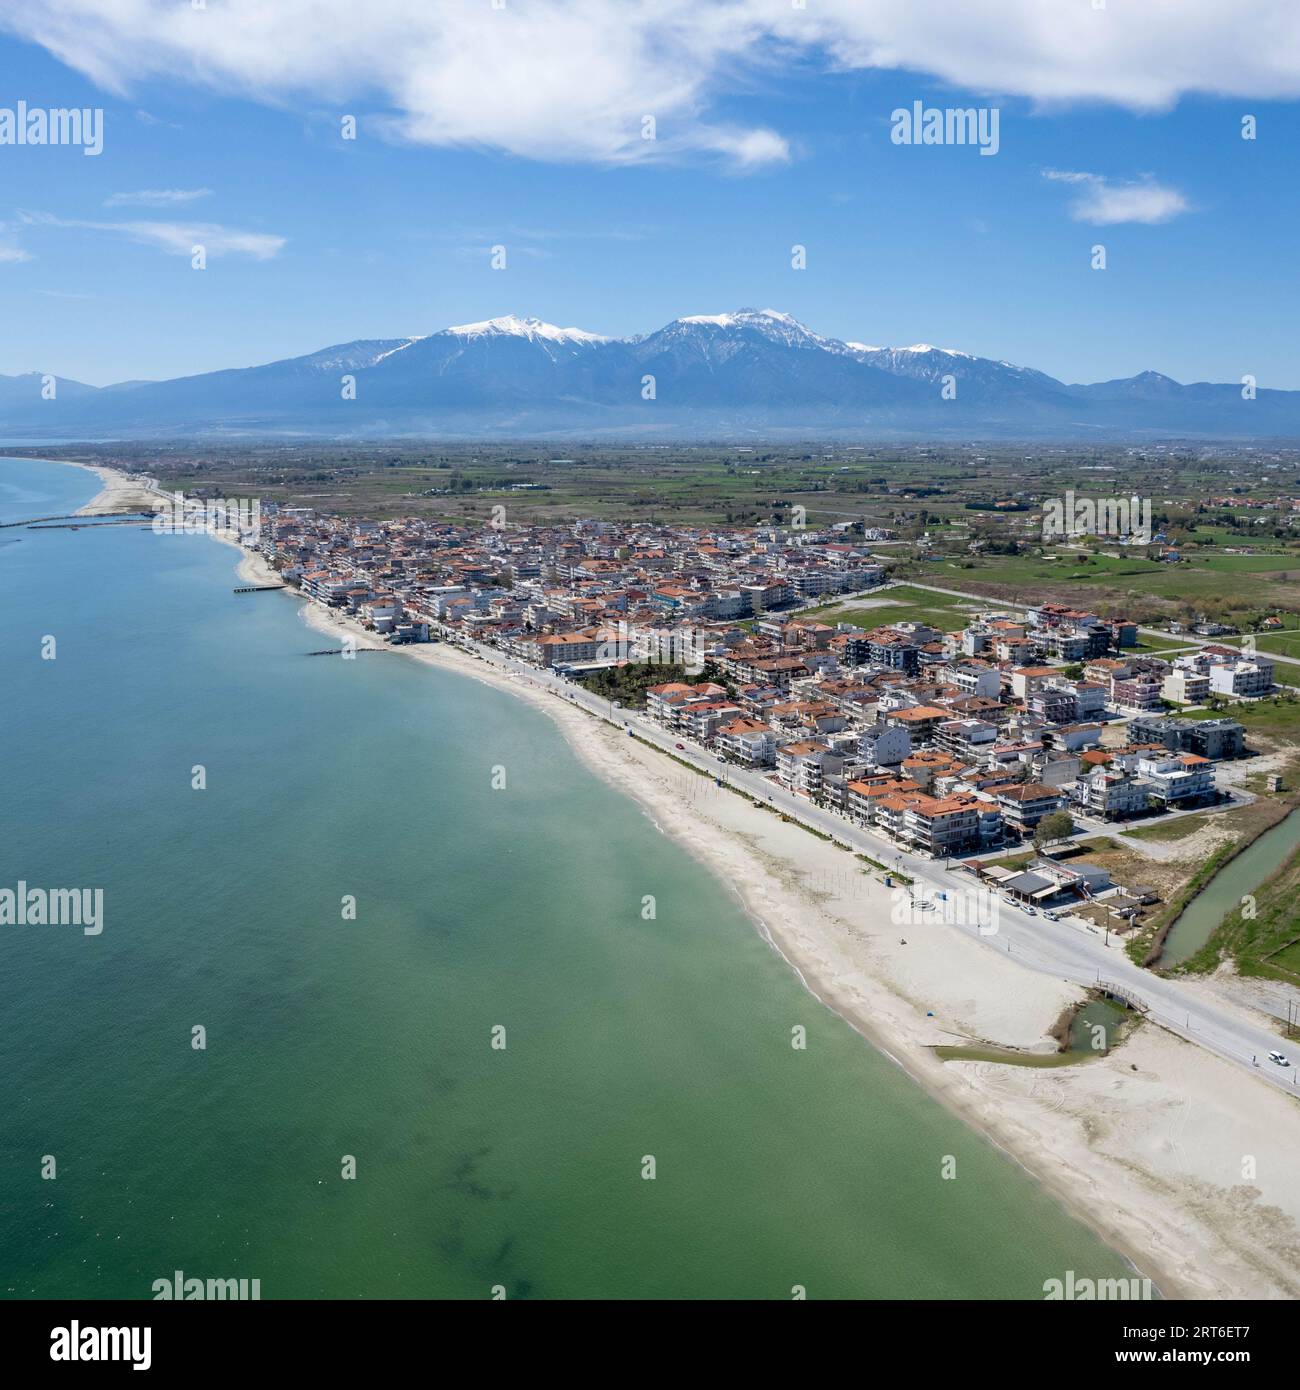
<point>1170,1154</point>
<point>117,493</point>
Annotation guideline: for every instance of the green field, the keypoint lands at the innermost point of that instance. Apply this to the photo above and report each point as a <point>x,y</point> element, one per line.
<point>1164,645</point>
<point>1277,717</point>
<point>901,604</point>
<point>1199,576</point>
<point>1279,643</point>
<point>1287,960</point>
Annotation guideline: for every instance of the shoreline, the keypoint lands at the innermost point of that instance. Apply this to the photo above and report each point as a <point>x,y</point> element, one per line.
<point>1144,1146</point>
<point>117,493</point>
<point>1075,1130</point>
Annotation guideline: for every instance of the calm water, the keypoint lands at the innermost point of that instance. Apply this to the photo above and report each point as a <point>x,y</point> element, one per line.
<point>475,908</point>
<point>1222,896</point>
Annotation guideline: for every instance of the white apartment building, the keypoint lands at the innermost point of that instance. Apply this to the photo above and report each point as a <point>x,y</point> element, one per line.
<point>973,679</point>
<point>1177,777</point>
<point>885,745</point>
<point>1244,678</point>
<point>747,741</point>
<point>1109,794</point>
<point>800,765</point>
<point>1185,687</point>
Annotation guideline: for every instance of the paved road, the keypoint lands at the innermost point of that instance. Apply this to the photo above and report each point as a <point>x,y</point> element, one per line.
<point>1068,950</point>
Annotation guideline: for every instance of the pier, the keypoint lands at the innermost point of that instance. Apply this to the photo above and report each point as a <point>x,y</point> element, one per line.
<point>338,651</point>
<point>259,588</point>
<point>80,518</point>
<point>89,523</point>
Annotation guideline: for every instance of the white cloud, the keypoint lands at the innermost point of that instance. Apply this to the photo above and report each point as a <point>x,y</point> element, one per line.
<point>551,79</point>
<point>176,238</point>
<point>750,149</point>
<point>156,197</point>
<point>1102,202</point>
<point>10,254</point>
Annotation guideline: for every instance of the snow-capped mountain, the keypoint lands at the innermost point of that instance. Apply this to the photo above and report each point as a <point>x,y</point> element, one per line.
<point>975,379</point>
<point>744,372</point>
<point>535,330</point>
<point>768,324</point>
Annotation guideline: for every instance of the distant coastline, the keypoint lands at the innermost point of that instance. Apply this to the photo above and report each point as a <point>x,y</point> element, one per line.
<point>118,492</point>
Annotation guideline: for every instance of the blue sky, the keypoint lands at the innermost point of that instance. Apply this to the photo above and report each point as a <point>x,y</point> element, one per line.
<point>327,240</point>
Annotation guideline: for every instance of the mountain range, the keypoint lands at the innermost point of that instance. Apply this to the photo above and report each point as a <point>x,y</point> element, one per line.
<point>754,372</point>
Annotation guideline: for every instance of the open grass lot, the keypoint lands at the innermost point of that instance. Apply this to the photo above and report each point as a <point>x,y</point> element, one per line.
<point>1276,719</point>
<point>1225,536</point>
<point>1163,645</point>
<point>901,603</point>
<point>1199,577</point>
<point>1287,960</point>
<point>1177,828</point>
<point>940,618</point>
<point>1279,643</point>
<point>911,595</point>
<point>945,619</point>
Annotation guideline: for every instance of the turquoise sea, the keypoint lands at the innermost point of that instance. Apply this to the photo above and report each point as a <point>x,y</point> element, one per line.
<point>475,908</point>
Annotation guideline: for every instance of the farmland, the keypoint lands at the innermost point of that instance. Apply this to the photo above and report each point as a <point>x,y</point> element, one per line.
<point>1223,546</point>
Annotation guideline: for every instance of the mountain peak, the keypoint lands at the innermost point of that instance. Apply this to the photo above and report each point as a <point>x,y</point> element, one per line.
<point>772,324</point>
<point>930,347</point>
<point>743,316</point>
<point>511,325</point>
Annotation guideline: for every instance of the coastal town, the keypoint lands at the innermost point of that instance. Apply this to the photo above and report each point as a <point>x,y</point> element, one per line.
<point>1017,728</point>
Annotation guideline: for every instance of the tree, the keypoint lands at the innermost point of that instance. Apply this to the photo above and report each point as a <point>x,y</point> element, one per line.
<point>1058,825</point>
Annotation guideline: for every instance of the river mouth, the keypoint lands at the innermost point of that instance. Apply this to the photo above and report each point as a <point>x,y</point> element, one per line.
<point>1091,1030</point>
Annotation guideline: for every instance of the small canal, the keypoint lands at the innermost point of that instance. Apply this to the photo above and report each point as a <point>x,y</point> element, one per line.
<point>1223,894</point>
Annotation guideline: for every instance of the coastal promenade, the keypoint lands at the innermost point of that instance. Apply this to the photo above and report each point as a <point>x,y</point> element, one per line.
<point>1068,950</point>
